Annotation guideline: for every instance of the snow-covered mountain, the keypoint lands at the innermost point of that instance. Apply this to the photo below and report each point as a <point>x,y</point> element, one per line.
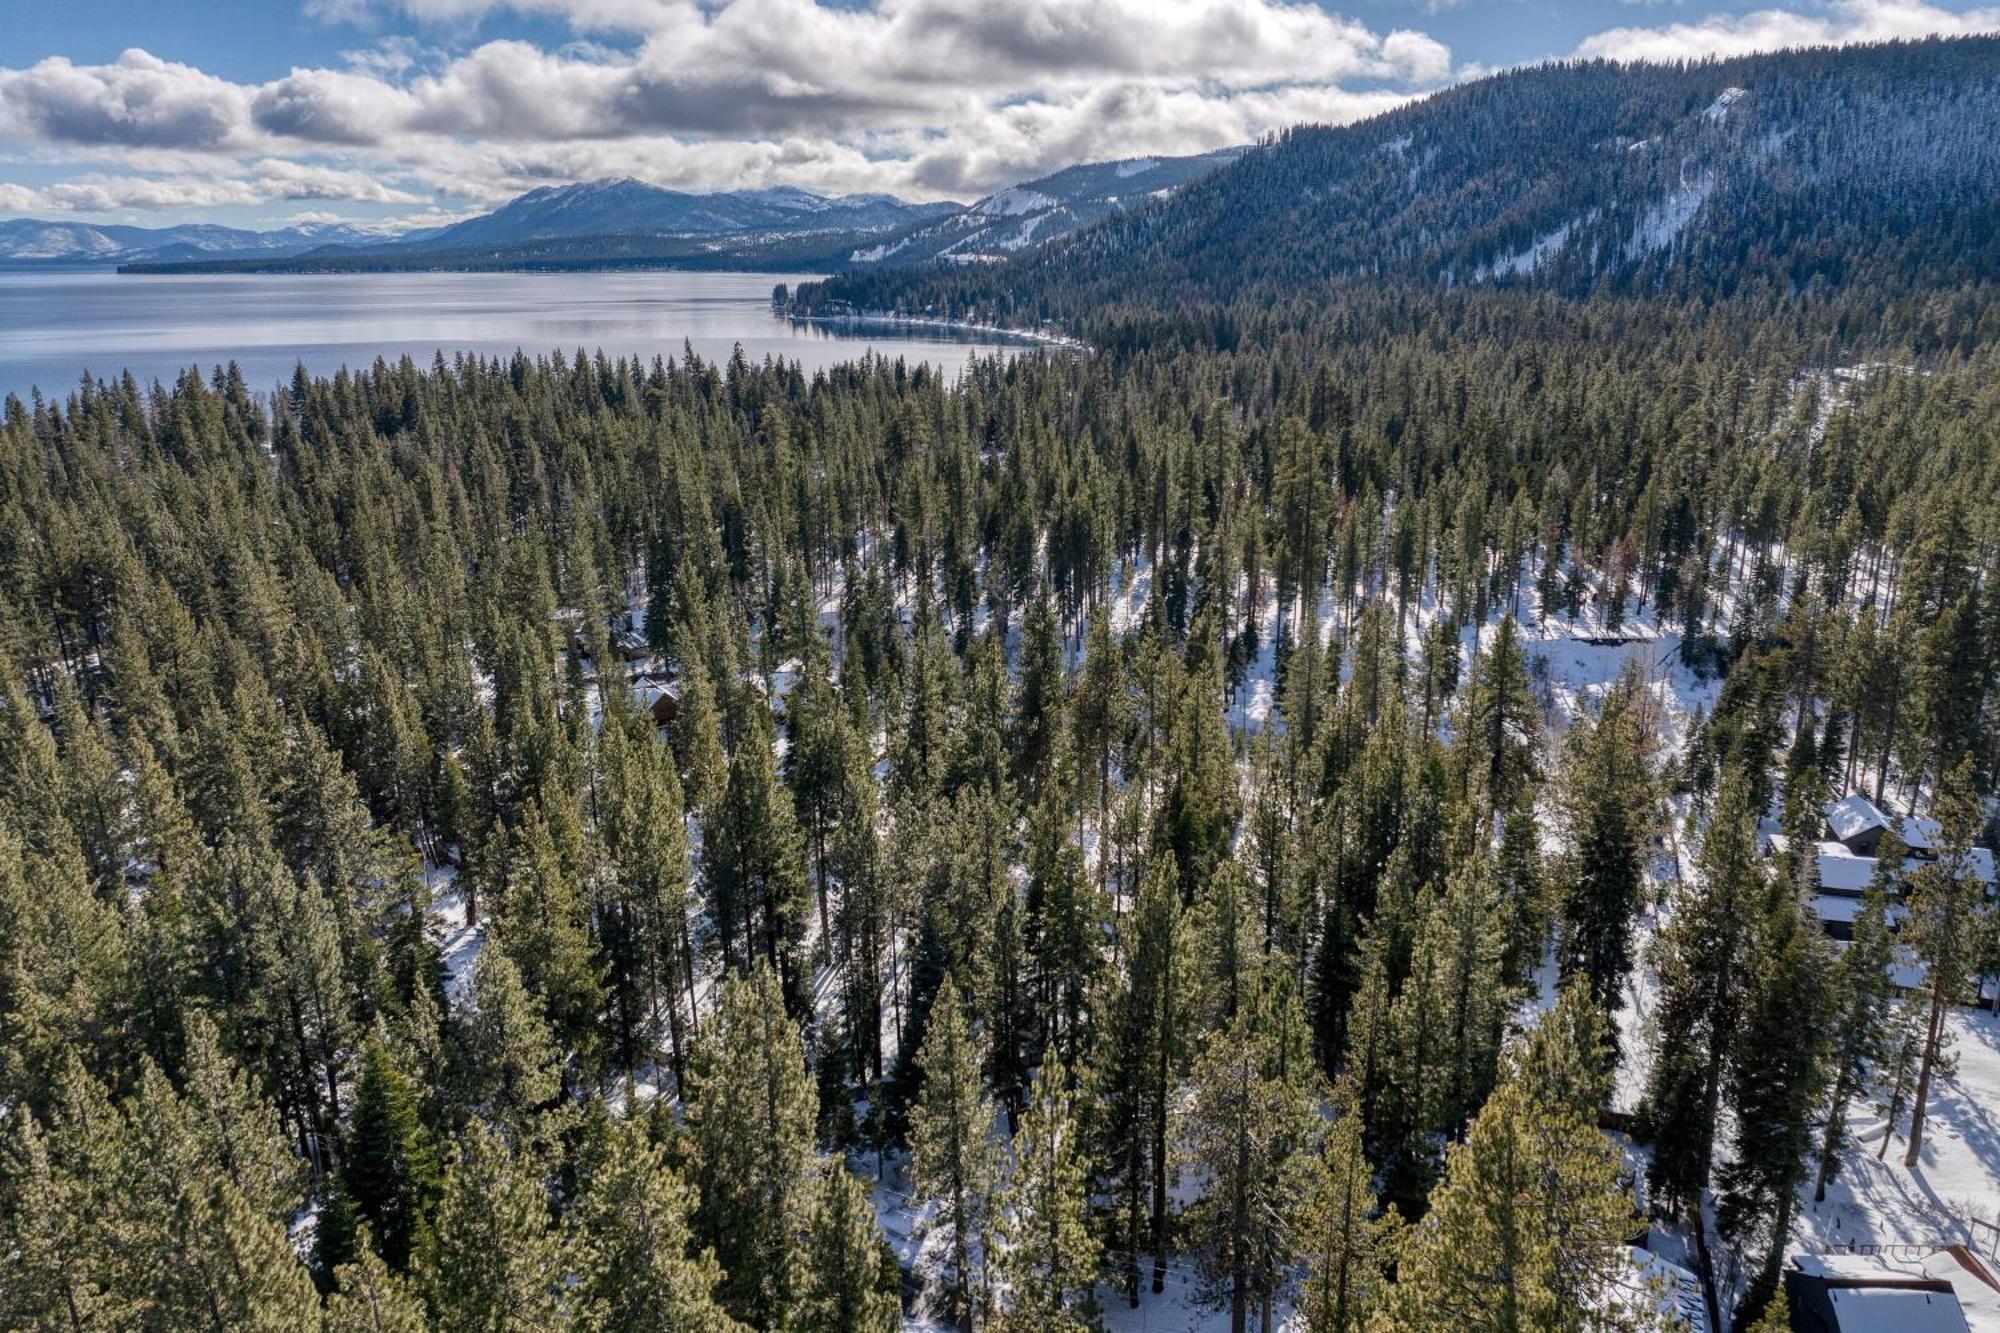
<point>616,223</point>
<point>552,213</point>
<point>36,242</point>
<point>1027,216</point>
<point>1785,172</point>
<point>621,207</point>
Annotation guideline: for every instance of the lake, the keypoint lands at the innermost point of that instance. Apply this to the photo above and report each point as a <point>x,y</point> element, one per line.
<point>56,326</point>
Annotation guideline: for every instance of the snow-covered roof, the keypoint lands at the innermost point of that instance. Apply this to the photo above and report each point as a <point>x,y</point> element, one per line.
<point>1921,835</point>
<point>1841,871</point>
<point>1973,1305</point>
<point>649,690</point>
<point>1896,1310</point>
<point>1844,908</point>
<point>1908,972</point>
<point>1851,816</point>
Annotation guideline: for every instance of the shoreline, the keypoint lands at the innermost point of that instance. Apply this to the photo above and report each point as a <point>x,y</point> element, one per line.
<point>887,319</point>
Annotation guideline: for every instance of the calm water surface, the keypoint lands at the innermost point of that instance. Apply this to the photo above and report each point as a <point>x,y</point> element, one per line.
<point>56,327</point>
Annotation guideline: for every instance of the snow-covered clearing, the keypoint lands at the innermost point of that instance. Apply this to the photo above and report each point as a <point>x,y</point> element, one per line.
<point>1953,1193</point>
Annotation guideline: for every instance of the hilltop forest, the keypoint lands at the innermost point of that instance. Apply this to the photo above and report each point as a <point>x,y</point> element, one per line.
<point>1112,829</point>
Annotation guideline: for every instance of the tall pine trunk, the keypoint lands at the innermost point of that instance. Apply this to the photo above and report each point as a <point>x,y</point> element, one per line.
<point>1919,1105</point>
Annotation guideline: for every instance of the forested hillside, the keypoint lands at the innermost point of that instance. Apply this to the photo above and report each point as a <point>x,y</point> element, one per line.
<point>1121,835</point>
<point>1783,174</point>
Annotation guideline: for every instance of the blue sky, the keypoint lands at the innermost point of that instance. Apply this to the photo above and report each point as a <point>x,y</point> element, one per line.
<point>397,112</point>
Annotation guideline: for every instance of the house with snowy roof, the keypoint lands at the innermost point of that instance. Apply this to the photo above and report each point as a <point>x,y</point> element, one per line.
<point>1856,823</point>
<point>659,696</point>
<point>1898,1289</point>
<point>1847,863</point>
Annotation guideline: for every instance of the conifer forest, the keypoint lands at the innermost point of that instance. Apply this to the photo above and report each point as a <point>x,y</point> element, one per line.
<point>1313,802</point>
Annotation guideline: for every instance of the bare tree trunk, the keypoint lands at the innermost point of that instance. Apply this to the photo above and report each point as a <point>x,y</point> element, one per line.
<point>1918,1107</point>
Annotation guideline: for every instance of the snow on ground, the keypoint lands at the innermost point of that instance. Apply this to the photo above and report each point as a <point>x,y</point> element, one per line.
<point>1952,1190</point>
<point>1664,220</point>
<point>457,942</point>
<point>1719,108</point>
<point>1527,260</point>
<point>1574,661</point>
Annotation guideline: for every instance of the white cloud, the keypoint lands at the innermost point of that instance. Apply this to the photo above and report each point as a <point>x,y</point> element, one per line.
<point>268,180</point>
<point>1841,23</point>
<point>138,100</point>
<point>926,97</point>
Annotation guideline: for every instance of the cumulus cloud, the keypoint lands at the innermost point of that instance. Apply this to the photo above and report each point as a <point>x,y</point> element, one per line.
<point>1842,23</point>
<point>137,100</point>
<point>926,97</point>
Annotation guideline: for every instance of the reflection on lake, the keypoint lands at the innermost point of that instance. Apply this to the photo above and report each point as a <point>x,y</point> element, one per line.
<point>56,326</point>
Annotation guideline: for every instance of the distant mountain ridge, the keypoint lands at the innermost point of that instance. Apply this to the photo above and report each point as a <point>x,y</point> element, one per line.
<point>616,207</point>
<point>34,241</point>
<point>1782,172</point>
<point>616,223</point>
<point>550,213</point>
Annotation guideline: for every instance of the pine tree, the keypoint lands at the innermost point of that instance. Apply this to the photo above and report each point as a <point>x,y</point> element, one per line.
<point>1777,1316</point>
<point>1349,1241</point>
<point>370,1298</point>
<point>544,926</point>
<point>494,1260</point>
<point>64,1253</point>
<point>1247,1128</point>
<point>1704,951</point>
<point>1369,1058</point>
<point>642,906</point>
<point>509,1063</point>
<point>1566,1059</point>
<point>1197,815</point>
<point>953,1162</point>
<point>1099,713</point>
<point>758,896</point>
<point>1775,1086</point>
<point>1860,1024</point>
<point>697,740</point>
<point>1526,1231</point>
<point>63,959</point>
<point>1604,803</point>
<point>1140,1059</point>
<point>1524,910</point>
<point>1501,726</point>
<point>639,1271</point>
<point>1039,703</point>
<point>816,766</point>
<point>1449,1015</point>
<point>854,1283</point>
<point>1948,906</point>
<point>1048,1256</point>
<point>750,1117</point>
<point>336,1230</point>
<point>864,913</point>
<point>208,1187</point>
<point>391,1172</point>
<point>240,1272</point>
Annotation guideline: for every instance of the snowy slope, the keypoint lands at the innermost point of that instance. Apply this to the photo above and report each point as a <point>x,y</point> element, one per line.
<point>1026,216</point>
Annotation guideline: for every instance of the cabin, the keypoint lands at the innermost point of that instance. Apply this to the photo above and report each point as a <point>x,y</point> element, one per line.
<point>1856,823</point>
<point>1945,1289</point>
<point>658,696</point>
<point>1846,860</point>
<point>631,645</point>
